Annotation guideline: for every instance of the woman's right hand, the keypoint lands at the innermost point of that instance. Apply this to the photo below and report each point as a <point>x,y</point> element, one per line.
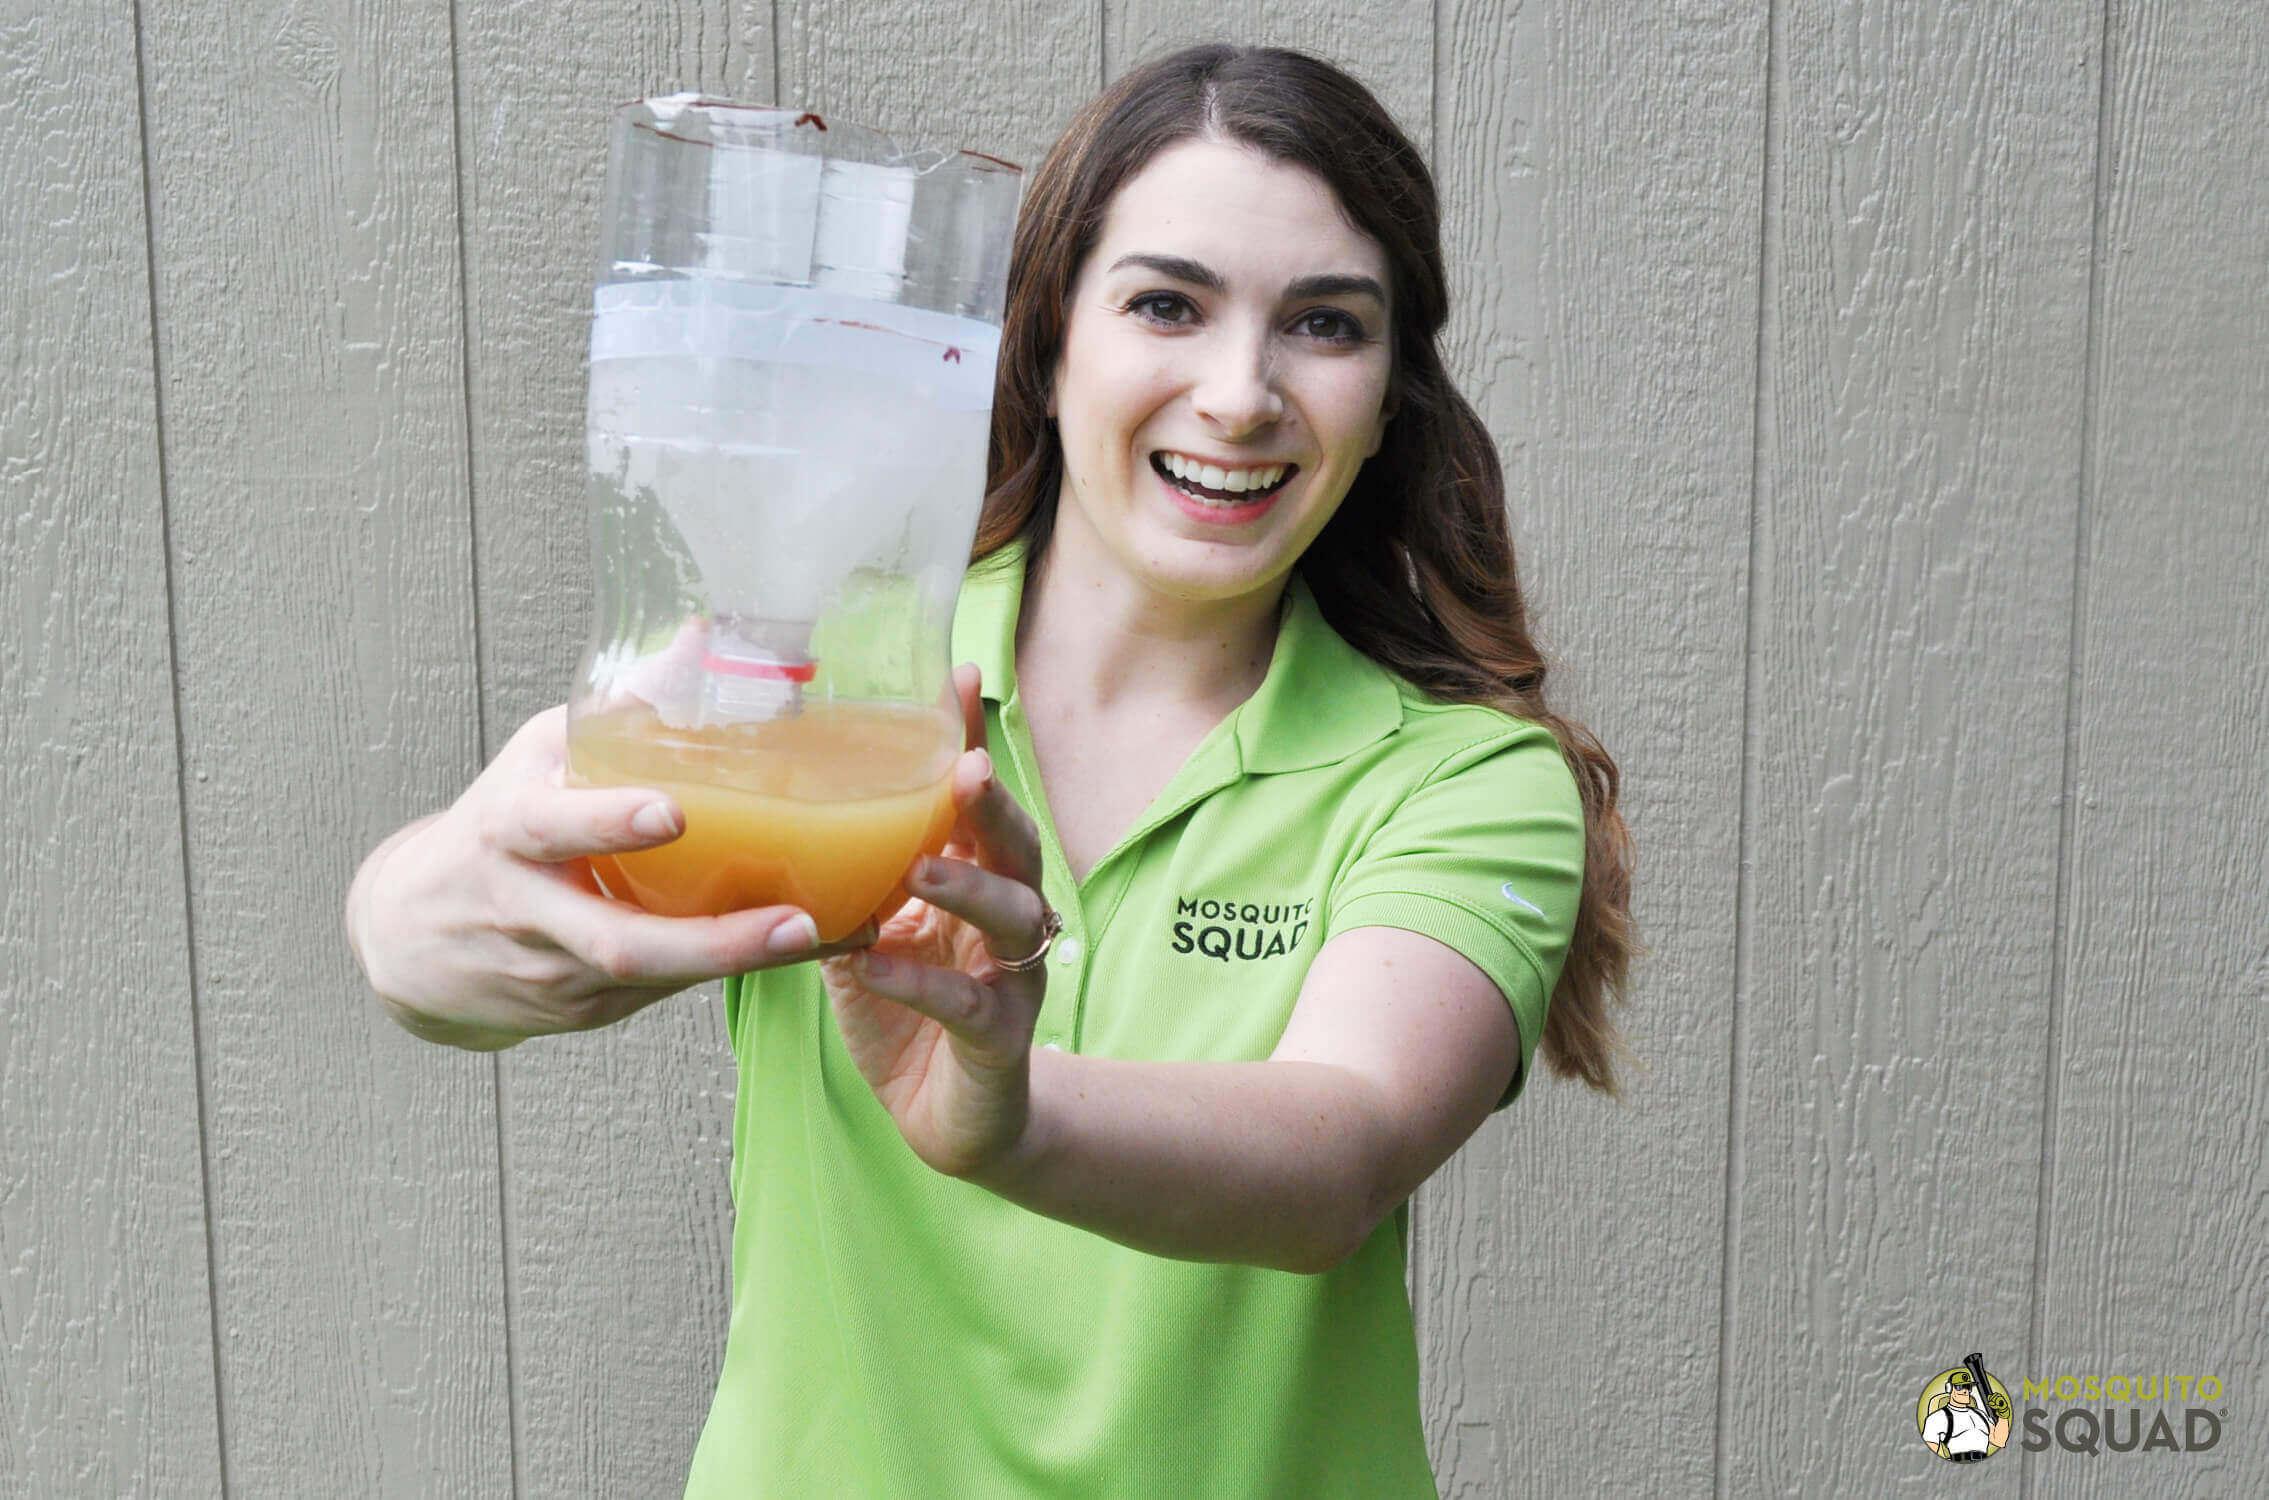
<point>482,926</point>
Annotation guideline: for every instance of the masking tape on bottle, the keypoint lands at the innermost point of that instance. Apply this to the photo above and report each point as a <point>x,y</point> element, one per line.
<point>950,360</point>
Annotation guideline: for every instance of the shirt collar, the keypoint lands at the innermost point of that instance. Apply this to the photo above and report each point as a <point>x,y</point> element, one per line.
<point>1321,701</point>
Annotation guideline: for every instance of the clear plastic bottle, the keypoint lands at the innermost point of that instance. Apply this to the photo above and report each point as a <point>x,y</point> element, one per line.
<point>793,346</point>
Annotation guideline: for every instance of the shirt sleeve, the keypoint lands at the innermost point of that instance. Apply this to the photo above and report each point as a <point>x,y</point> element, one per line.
<point>1486,856</point>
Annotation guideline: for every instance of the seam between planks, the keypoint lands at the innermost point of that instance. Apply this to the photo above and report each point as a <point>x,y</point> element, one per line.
<point>180,752</point>
<point>480,718</point>
<point>1744,892</point>
<point>2091,373</point>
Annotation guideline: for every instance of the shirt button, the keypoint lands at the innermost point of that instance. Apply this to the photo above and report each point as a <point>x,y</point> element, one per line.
<point>1051,1046</point>
<point>1067,952</point>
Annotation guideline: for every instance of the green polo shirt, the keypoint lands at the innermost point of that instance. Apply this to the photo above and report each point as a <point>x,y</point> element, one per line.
<point>898,1333</point>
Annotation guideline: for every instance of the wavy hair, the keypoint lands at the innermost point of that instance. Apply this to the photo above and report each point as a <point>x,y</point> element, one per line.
<point>1447,614</point>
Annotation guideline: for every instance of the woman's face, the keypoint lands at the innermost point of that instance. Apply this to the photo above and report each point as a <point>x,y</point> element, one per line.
<point>1228,316</point>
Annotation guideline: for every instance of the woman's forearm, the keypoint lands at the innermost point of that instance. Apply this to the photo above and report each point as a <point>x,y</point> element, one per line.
<point>1260,1163</point>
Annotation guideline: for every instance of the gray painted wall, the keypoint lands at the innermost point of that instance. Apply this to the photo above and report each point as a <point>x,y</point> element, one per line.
<point>1885,400</point>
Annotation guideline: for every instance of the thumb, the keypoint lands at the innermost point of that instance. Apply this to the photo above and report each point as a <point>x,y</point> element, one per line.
<point>968,683</point>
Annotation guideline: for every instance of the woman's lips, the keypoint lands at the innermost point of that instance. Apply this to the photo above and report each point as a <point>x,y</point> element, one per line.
<point>1218,514</point>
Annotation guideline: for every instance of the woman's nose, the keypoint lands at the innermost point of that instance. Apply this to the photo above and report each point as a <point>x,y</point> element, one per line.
<point>1238,392</point>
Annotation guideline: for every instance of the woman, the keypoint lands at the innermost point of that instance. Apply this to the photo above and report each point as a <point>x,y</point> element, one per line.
<point>1074,1177</point>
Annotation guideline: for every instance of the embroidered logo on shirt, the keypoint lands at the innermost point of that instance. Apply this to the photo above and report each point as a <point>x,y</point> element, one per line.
<point>1518,899</point>
<point>1244,930</point>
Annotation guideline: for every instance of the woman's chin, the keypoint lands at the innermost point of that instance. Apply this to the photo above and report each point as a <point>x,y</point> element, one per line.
<point>1183,566</point>
<point>1181,557</point>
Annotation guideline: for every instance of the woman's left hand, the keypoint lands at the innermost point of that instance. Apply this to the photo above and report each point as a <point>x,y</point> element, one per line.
<point>940,1031</point>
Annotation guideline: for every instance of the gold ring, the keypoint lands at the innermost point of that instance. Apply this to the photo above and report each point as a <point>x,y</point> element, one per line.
<point>1050,925</point>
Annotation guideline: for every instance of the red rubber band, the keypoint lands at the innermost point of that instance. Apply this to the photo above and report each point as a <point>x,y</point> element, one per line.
<point>735,666</point>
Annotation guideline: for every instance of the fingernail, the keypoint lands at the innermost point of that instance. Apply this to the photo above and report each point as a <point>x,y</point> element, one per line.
<point>987,762</point>
<point>653,821</point>
<point>794,935</point>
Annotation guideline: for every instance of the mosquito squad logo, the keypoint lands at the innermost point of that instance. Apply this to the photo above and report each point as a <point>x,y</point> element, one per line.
<point>2100,1414</point>
<point>1963,1413</point>
<point>1239,931</point>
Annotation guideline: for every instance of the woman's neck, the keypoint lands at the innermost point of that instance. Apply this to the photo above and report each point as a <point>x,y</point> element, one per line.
<point>1094,639</point>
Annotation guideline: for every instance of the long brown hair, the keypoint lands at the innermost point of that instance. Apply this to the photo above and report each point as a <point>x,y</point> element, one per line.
<point>1416,567</point>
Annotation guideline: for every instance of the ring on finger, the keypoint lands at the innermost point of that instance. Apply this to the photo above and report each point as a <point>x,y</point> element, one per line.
<point>1051,923</point>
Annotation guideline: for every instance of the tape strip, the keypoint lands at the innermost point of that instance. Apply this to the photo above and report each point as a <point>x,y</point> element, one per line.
<point>949,360</point>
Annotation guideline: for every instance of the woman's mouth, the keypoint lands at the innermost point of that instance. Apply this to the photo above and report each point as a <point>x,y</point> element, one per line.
<point>1220,505</point>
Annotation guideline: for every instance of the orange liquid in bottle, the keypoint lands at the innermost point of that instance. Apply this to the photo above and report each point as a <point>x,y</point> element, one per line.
<point>824,811</point>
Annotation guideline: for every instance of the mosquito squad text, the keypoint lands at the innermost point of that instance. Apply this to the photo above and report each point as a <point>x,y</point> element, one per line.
<point>1246,930</point>
<point>2120,1424</point>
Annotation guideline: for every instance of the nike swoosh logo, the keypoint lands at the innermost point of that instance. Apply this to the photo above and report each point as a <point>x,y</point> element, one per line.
<point>1518,899</point>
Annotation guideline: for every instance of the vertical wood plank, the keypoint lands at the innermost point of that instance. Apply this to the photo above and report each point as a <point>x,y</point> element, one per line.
<point>2151,1250</point>
<point>311,367</point>
<point>1924,336</point>
<point>106,1336</point>
<point>616,1144</point>
<point>1602,175</point>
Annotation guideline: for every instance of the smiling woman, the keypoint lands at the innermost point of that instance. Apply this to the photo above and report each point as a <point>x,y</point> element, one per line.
<point>1084,1169</point>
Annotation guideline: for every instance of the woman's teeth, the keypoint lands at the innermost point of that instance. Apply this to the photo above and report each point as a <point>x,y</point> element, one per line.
<point>1219,486</point>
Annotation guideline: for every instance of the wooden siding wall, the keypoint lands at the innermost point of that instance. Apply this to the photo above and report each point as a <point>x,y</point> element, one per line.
<point>1884,397</point>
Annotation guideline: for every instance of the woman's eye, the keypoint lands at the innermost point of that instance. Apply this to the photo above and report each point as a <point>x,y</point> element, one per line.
<point>1156,299</point>
<point>1338,327</point>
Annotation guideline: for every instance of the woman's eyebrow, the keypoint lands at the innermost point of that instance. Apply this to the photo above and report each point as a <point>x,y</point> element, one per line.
<point>1336,284</point>
<point>1181,268</point>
